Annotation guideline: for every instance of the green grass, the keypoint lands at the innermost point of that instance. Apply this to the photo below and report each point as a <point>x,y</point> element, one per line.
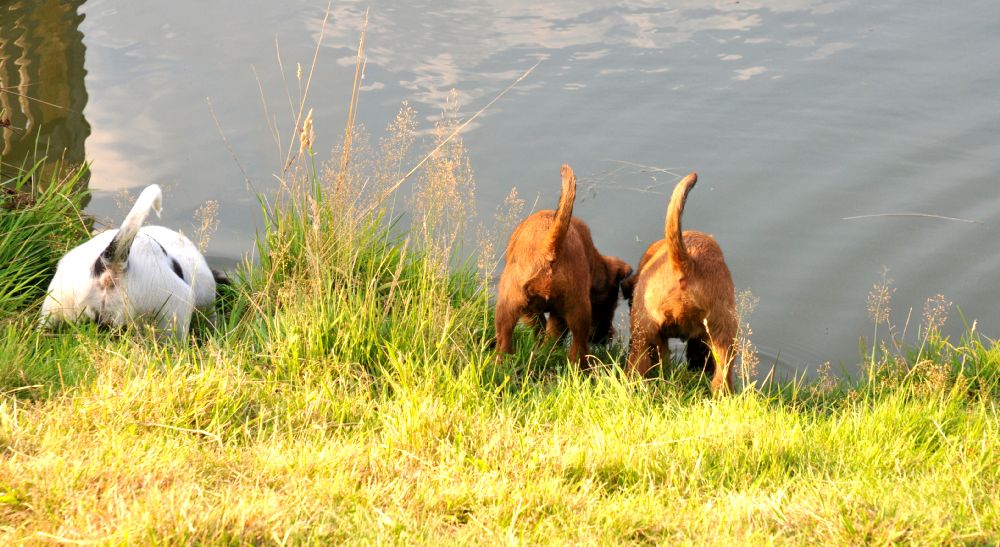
<point>38,223</point>
<point>352,396</point>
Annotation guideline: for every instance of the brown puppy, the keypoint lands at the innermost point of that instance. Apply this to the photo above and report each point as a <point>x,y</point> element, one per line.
<point>553,267</point>
<point>683,289</point>
<point>698,354</point>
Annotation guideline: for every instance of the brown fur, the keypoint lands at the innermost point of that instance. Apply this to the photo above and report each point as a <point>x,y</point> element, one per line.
<point>553,267</point>
<point>683,289</point>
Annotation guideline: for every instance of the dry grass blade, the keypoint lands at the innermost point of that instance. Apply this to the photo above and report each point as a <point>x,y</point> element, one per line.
<point>289,158</point>
<point>445,141</point>
<point>225,140</point>
<point>917,215</point>
<point>272,124</point>
<point>201,432</point>
<point>359,70</point>
<point>27,97</point>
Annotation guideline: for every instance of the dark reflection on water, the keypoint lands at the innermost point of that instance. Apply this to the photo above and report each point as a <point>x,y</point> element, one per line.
<point>42,79</point>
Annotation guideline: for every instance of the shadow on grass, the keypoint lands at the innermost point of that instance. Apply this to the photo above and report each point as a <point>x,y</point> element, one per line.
<point>543,365</point>
<point>966,372</point>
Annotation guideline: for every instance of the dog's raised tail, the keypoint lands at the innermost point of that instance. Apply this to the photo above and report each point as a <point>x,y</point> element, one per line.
<point>564,213</point>
<point>679,257</point>
<point>117,251</point>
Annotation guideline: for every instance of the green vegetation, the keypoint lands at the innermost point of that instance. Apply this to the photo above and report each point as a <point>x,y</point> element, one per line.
<point>352,396</point>
<point>38,223</point>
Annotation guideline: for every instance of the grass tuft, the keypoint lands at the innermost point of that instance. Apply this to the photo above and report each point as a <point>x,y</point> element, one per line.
<point>39,222</point>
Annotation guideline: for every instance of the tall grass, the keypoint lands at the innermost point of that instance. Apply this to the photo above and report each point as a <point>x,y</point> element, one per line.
<point>353,396</point>
<point>39,221</point>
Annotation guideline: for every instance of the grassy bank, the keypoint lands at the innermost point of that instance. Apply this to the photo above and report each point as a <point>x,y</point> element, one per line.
<point>39,221</point>
<point>352,395</point>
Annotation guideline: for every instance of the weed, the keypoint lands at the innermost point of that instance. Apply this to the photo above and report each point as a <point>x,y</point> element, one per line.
<point>207,218</point>
<point>744,348</point>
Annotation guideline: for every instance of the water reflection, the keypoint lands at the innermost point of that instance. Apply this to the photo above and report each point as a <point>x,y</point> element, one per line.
<point>432,46</point>
<point>42,91</point>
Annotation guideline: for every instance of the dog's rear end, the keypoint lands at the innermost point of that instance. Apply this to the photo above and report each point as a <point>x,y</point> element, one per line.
<point>536,278</point>
<point>135,274</point>
<point>553,267</point>
<point>683,289</point>
<point>90,279</point>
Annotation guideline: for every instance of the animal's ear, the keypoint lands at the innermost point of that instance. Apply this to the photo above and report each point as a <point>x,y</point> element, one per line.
<point>628,287</point>
<point>624,272</point>
<point>619,268</point>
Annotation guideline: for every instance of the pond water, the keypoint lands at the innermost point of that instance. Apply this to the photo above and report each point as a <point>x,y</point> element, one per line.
<point>808,122</point>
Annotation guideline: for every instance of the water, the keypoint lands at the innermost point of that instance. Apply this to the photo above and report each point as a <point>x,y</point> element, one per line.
<point>798,115</point>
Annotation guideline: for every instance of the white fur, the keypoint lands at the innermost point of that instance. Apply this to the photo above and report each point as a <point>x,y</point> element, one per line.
<point>197,274</point>
<point>137,287</point>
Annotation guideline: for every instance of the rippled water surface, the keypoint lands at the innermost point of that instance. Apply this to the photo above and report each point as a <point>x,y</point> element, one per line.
<point>807,121</point>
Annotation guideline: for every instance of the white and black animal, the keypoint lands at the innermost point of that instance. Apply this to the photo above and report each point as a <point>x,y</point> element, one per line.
<point>133,275</point>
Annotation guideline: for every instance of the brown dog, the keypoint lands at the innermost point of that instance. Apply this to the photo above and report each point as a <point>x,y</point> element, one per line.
<point>683,289</point>
<point>553,267</point>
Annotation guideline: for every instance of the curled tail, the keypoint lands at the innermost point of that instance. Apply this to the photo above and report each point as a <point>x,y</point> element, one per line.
<point>679,257</point>
<point>116,253</point>
<point>560,224</point>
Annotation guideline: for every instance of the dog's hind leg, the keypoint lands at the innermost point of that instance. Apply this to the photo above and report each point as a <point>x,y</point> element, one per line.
<point>556,327</point>
<point>641,355</point>
<point>721,340</point>
<point>578,319</point>
<point>505,318</point>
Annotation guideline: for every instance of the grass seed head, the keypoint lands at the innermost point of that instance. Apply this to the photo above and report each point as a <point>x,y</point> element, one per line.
<point>880,297</point>
<point>936,311</point>
<point>306,134</point>
<point>207,217</point>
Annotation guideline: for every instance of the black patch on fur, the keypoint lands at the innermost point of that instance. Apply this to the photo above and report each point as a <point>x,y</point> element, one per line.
<point>221,278</point>
<point>176,266</point>
<point>99,267</point>
<point>162,249</point>
<point>109,252</point>
<point>104,260</point>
